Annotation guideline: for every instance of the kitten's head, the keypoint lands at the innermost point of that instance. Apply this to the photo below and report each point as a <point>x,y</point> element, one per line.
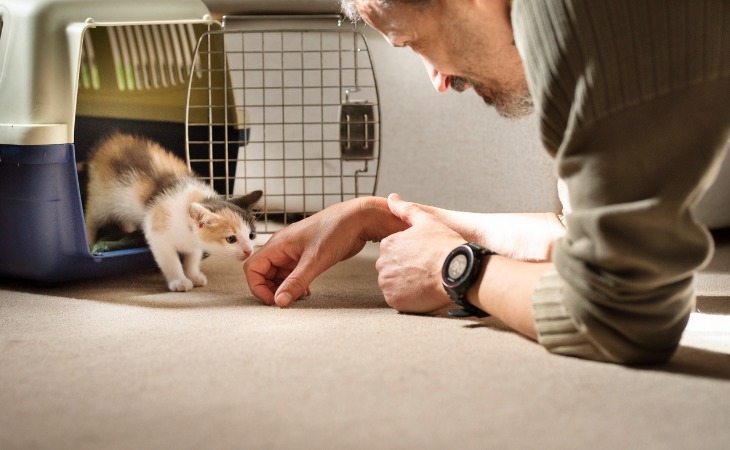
<point>226,227</point>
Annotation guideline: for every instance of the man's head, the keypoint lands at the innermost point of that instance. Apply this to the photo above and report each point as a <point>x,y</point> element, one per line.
<point>463,43</point>
<point>349,7</point>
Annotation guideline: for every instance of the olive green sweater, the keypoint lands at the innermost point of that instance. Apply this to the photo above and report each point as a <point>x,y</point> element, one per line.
<point>633,98</point>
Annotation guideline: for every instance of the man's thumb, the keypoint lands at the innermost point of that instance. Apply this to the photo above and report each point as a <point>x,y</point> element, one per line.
<point>408,212</point>
<point>291,289</point>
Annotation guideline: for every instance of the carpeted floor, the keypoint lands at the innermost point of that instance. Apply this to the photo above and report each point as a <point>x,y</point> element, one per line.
<point>119,363</point>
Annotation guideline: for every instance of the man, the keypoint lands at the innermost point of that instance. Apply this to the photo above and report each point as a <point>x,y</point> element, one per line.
<point>633,99</point>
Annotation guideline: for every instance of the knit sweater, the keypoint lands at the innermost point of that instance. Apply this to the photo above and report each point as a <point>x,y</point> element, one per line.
<point>633,98</point>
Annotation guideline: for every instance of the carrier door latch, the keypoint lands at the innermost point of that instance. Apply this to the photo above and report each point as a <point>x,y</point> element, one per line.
<point>357,130</point>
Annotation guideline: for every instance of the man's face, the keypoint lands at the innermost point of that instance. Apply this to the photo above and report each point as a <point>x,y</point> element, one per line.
<point>462,44</point>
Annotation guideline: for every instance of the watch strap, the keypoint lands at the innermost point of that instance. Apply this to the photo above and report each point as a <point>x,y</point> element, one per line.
<point>467,310</point>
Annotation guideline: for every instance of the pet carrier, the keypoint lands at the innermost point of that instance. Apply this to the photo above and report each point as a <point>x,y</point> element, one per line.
<point>72,71</point>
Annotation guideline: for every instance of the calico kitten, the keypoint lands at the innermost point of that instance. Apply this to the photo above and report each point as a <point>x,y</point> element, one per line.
<point>136,184</point>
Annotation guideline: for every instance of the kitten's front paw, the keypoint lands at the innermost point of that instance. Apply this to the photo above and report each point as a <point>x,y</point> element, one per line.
<point>183,285</point>
<point>198,279</point>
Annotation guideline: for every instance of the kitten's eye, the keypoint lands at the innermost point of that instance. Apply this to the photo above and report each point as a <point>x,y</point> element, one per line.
<point>231,239</point>
<point>252,235</point>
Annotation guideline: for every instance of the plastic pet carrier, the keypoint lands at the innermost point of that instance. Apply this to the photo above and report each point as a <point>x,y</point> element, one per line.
<point>286,105</point>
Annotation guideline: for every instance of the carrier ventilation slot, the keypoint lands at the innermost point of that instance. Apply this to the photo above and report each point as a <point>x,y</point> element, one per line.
<point>89,69</point>
<point>1,37</point>
<point>145,56</point>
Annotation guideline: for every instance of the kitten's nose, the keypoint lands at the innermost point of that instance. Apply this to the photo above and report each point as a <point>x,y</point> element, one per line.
<point>243,254</point>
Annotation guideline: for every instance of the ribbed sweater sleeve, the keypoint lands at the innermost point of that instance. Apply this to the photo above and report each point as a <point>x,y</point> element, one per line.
<point>633,98</point>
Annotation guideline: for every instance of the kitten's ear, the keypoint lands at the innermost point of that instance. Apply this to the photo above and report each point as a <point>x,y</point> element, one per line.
<point>201,215</point>
<point>246,201</point>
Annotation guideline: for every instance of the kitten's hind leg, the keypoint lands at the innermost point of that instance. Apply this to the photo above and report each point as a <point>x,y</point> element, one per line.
<point>169,262</point>
<point>90,233</point>
<point>92,228</point>
<point>191,266</point>
<point>128,228</point>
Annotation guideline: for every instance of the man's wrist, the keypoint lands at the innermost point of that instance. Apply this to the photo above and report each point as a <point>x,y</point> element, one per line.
<point>376,220</point>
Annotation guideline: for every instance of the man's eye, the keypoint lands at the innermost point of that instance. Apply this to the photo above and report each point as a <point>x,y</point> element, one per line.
<point>231,239</point>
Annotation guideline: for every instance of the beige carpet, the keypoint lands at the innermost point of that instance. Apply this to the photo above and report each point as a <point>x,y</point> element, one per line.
<point>122,364</point>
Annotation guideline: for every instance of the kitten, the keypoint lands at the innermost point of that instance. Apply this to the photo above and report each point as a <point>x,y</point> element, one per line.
<point>137,184</point>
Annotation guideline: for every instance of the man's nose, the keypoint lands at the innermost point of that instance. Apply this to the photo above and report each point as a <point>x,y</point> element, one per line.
<point>440,81</point>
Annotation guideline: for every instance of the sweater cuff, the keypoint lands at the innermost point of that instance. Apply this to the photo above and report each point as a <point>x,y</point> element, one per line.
<point>558,330</point>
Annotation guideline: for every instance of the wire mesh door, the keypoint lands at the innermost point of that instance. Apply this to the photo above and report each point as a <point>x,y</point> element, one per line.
<point>293,112</point>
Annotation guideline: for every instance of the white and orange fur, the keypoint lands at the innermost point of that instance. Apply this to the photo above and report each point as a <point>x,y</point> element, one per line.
<point>136,184</point>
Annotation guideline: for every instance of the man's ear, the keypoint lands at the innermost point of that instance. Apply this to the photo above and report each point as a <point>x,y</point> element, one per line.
<point>493,8</point>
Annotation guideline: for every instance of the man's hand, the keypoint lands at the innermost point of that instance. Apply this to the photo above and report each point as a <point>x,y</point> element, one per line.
<point>281,271</point>
<point>409,267</point>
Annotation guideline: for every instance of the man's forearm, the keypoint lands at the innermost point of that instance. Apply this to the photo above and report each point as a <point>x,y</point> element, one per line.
<point>505,290</point>
<point>521,236</point>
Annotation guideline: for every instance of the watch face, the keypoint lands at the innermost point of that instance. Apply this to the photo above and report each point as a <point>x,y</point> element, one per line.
<point>457,266</point>
<point>461,269</point>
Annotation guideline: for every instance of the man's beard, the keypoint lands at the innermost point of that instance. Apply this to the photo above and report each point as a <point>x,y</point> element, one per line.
<point>512,106</point>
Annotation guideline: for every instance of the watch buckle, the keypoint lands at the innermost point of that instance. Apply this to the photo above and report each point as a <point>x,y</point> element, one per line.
<point>468,310</point>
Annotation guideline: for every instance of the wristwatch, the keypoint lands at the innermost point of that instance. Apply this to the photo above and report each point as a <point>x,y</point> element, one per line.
<point>461,269</point>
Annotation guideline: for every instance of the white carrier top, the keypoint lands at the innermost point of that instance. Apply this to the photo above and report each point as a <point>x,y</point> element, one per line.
<point>40,52</point>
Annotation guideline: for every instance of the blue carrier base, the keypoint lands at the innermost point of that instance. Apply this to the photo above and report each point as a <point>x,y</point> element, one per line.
<point>42,231</point>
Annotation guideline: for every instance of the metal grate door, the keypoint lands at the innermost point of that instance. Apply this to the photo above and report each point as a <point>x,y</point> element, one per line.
<point>291,111</point>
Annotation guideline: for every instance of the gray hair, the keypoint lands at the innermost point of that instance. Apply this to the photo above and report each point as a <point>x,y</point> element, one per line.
<point>350,11</point>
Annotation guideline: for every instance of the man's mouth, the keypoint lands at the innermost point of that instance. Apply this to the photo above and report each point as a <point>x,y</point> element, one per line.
<point>459,84</point>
